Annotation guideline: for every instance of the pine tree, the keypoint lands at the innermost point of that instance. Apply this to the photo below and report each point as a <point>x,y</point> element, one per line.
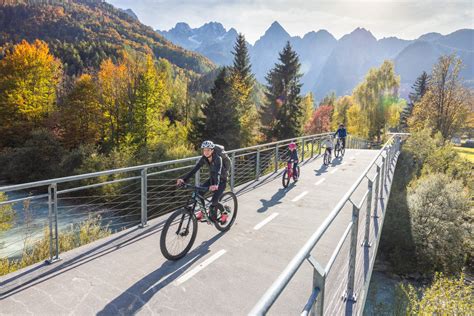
<point>220,122</point>
<point>241,65</point>
<point>242,84</point>
<point>419,89</point>
<point>281,115</point>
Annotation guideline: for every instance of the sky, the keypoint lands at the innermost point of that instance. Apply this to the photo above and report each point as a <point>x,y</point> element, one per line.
<point>405,19</point>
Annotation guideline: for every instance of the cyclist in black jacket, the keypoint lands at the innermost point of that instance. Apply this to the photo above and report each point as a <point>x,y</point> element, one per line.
<point>293,157</point>
<point>218,173</point>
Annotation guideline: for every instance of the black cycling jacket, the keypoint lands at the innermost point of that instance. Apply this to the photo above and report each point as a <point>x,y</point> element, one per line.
<point>217,170</point>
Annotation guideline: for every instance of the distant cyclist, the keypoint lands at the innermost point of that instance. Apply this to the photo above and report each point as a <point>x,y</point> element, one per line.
<point>293,157</point>
<point>219,164</point>
<point>329,144</point>
<point>341,133</point>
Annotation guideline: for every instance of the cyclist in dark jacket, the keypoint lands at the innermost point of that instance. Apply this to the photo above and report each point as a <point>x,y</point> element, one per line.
<point>293,156</point>
<point>217,171</point>
<point>341,133</point>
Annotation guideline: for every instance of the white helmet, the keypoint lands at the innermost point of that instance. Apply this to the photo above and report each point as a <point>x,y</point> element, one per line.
<point>208,144</point>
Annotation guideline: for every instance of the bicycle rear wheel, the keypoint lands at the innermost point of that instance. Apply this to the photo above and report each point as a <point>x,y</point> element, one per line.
<point>327,159</point>
<point>178,234</point>
<point>229,204</point>
<point>285,179</point>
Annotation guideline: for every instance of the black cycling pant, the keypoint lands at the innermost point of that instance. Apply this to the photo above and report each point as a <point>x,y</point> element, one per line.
<point>216,194</point>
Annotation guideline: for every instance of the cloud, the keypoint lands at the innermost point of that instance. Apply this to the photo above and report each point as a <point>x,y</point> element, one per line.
<point>401,18</point>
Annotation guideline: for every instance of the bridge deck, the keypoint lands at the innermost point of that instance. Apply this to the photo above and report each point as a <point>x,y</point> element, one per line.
<point>223,273</point>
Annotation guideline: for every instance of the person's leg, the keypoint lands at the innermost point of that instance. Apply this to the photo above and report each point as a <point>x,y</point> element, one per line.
<point>206,185</point>
<point>215,198</point>
<point>295,170</point>
<point>343,142</point>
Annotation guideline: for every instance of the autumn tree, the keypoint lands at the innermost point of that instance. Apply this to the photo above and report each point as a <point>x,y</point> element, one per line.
<point>29,76</point>
<point>445,107</point>
<point>320,122</point>
<point>81,116</point>
<point>380,84</point>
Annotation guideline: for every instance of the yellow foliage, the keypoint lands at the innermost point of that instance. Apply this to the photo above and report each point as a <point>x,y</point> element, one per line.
<point>356,122</point>
<point>445,296</point>
<point>7,214</point>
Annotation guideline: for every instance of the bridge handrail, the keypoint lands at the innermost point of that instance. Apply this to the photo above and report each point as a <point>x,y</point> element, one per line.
<point>147,166</point>
<point>271,295</point>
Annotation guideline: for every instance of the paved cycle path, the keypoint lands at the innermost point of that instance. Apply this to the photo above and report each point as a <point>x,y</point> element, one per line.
<point>223,274</point>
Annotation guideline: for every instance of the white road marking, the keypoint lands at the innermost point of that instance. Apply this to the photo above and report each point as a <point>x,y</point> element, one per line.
<point>299,196</point>
<point>320,181</point>
<point>201,266</point>
<point>332,171</point>
<point>265,221</point>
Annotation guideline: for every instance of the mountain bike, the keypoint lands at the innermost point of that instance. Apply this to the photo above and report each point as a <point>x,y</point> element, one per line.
<point>339,150</point>
<point>288,174</point>
<point>180,229</point>
<point>327,157</point>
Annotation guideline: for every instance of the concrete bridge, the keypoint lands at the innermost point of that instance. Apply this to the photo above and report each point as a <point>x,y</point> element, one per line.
<point>309,248</point>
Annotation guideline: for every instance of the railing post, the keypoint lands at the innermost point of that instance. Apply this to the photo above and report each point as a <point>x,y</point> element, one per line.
<point>276,158</point>
<point>302,149</point>
<point>319,281</point>
<point>232,172</point>
<point>144,198</point>
<point>350,295</point>
<point>257,165</point>
<point>53,216</point>
<point>382,178</point>
<point>312,147</point>
<point>368,214</point>
<point>319,145</point>
<point>377,184</point>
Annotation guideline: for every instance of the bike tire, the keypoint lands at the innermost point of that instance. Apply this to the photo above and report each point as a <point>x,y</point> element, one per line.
<point>297,175</point>
<point>285,179</point>
<point>230,207</point>
<point>164,233</point>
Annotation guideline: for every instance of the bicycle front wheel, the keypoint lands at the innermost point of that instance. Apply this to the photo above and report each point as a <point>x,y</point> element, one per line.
<point>285,179</point>
<point>178,234</point>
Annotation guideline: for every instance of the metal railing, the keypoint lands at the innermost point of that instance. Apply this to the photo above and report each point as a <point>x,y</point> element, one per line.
<point>344,280</point>
<point>127,197</point>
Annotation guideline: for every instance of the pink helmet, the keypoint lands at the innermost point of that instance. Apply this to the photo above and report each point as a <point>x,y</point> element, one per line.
<point>292,145</point>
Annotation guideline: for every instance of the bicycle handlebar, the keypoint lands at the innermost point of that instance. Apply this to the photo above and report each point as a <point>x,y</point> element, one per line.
<point>195,187</point>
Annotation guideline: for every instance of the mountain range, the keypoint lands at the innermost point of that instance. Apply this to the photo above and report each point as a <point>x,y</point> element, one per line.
<point>331,64</point>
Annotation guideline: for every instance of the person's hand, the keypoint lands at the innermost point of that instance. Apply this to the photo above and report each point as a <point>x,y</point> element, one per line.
<point>213,187</point>
<point>179,182</point>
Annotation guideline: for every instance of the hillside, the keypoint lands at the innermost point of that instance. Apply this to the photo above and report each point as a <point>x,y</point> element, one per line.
<point>82,33</point>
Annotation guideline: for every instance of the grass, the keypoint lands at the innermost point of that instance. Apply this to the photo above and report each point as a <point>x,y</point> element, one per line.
<point>466,153</point>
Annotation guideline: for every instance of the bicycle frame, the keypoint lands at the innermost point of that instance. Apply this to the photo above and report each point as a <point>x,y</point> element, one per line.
<point>290,169</point>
